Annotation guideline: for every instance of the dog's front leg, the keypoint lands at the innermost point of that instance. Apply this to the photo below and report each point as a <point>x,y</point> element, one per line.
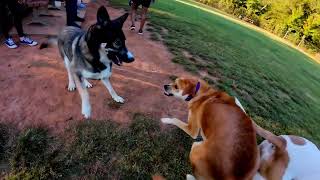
<point>85,103</point>
<point>191,128</point>
<point>113,94</point>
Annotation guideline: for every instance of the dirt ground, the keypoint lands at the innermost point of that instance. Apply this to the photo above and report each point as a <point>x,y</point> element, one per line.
<point>33,84</point>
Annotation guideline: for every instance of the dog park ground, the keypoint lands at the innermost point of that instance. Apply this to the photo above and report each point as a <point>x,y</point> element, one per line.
<point>278,86</point>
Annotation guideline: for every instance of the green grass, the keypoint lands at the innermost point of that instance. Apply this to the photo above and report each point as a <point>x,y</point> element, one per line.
<point>278,85</point>
<point>98,150</point>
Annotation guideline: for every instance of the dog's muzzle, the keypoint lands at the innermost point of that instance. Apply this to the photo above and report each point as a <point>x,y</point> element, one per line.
<point>166,89</point>
<point>120,56</point>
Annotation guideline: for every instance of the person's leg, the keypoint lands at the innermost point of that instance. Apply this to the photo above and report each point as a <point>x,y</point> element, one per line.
<point>145,7</point>
<point>4,20</point>
<point>143,19</point>
<point>71,9</point>
<point>134,6</point>
<point>16,10</point>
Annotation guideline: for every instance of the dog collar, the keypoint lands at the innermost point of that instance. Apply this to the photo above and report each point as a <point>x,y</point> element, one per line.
<point>197,89</point>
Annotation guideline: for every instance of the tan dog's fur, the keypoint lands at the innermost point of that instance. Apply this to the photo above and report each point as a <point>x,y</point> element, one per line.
<point>229,150</point>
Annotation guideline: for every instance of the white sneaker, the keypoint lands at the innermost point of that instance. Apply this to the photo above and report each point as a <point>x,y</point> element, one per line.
<point>10,43</point>
<point>28,41</point>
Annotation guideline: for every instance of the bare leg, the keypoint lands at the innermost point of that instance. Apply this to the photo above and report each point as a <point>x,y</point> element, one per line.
<point>133,14</point>
<point>143,17</point>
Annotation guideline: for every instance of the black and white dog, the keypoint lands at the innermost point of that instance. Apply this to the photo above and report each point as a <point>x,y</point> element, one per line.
<point>90,54</point>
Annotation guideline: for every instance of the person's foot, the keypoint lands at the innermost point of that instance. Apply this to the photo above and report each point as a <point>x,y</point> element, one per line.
<point>140,32</point>
<point>28,41</point>
<point>132,27</point>
<point>10,43</point>
<point>79,19</point>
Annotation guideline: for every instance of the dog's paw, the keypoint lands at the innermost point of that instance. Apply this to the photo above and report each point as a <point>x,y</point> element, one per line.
<point>166,120</point>
<point>118,99</point>
<point>86,111</point>
<point>190,177</point>
<point>87,84</point>
<point>71,87</point>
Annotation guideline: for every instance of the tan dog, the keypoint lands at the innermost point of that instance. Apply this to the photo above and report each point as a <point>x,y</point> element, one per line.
<point>229,149</point>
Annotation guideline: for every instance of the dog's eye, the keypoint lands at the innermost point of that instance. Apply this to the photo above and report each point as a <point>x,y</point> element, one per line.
<point>272,146</point>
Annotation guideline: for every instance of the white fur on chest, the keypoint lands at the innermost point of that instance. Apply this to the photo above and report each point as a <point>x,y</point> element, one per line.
<point>103,74</point>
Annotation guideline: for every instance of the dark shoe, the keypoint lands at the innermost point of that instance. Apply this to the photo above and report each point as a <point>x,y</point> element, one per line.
<point>79,19</point>
<point>140,32</point>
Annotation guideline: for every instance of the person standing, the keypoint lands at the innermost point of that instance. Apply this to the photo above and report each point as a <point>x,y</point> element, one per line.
<point>16,10</point>
<point>134,6</point>
<point>72,13</point>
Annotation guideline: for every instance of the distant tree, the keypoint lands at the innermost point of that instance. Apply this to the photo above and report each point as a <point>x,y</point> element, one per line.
<point>240,3</point>
<point>296,20</point>
<point>254,7</point>
<point>311,28</point>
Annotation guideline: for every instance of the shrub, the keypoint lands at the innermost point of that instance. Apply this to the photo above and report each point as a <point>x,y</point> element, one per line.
<point>240,11</point>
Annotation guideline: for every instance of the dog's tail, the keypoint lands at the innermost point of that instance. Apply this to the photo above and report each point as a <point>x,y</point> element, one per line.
<point>275,140</point>
<point>264,133</point>
<point>52,40</point>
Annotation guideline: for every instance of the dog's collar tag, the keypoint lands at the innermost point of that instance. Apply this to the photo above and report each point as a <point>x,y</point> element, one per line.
<point>197,89</point>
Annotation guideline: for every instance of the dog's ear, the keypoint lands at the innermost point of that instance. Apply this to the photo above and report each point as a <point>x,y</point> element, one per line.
<point>120,20</point>
<point>102,16</point>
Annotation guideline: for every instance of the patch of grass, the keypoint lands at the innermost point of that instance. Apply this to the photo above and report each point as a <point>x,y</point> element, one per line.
<point>7,138</point>
<point>35,155</point>
<point>273,81</point>
<point>106,151</point>
<point>4,140</point>
<point>152,151</point>
<point>101,150</point>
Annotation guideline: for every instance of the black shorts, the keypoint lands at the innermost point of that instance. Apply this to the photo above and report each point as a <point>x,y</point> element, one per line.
<point>144,3</point>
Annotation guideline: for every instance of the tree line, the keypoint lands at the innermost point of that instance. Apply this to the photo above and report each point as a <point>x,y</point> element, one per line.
<point>295,20</point>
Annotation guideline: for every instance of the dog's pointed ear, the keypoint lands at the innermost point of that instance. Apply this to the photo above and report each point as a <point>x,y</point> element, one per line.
<point>120,20</point>
<point>102,16</point>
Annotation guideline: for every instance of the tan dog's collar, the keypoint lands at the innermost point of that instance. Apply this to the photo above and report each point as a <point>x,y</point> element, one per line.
<point>197,89</point>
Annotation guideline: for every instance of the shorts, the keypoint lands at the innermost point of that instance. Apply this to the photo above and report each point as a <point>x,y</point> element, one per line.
<point>144,3</point>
